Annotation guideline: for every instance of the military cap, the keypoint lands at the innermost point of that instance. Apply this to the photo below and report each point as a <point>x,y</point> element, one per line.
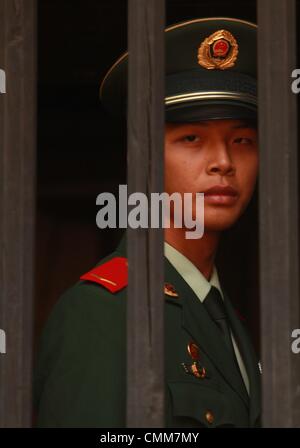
<point>210,72</point>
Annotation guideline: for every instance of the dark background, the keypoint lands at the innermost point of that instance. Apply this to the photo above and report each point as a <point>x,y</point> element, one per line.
<point>82,153</point>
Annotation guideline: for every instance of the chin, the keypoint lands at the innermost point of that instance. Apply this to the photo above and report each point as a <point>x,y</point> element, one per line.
<point>218,227</point>
<point>220,221</point>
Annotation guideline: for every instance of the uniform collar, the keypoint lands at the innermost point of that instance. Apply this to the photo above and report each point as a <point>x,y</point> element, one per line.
<point>186,269</point>
<point>191,274</point>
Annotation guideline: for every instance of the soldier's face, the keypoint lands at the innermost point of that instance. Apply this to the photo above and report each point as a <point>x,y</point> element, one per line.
<point>213,153</point>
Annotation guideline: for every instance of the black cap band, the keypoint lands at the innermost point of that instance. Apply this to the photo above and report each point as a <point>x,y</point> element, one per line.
<point>186,113</point>
<point>191,96</point>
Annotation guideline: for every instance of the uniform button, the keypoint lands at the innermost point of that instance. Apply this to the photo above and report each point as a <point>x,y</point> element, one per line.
<point>209,416</point>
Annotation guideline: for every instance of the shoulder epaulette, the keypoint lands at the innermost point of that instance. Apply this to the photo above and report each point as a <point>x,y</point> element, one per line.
<point>112,274</point>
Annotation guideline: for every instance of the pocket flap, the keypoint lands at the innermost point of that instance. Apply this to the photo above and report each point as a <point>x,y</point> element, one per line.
<point>200,402</point>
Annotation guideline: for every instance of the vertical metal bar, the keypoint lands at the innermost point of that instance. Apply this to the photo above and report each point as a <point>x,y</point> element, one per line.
<point>278,187</point>
<point>145,307</point>
<point>17,179</point>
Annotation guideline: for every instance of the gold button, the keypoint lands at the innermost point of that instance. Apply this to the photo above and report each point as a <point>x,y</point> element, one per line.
<point>209,417</point>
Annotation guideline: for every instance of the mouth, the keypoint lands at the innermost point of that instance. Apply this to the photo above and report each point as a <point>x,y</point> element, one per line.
<point>222,195</point>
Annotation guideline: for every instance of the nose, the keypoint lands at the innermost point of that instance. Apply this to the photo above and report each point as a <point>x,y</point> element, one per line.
<point>220,161</point>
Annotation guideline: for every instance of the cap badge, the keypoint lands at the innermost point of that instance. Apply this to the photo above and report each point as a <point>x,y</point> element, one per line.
<point>218,51</point>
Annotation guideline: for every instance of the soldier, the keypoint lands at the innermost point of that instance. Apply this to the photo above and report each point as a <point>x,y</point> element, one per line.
<point>211,370</point>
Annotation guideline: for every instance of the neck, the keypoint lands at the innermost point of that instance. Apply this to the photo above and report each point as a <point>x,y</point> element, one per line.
<point>201,252</point>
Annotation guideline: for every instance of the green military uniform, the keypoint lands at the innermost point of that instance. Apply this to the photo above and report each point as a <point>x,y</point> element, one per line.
<point>80,376</point>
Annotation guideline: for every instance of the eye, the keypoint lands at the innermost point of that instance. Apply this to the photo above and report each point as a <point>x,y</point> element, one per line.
<point>192,138</point>
<point>244,141</point>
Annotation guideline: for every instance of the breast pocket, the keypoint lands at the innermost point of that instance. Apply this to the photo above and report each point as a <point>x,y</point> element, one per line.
<point>196,405</point>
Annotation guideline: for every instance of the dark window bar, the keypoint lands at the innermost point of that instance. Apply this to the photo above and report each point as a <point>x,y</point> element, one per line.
<point>278,190</point>
<point>279,266</point>
<point>17,179</point>
<point>145,306</point>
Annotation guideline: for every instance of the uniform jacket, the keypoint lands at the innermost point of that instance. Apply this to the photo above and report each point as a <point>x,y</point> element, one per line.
<point>80,374</point>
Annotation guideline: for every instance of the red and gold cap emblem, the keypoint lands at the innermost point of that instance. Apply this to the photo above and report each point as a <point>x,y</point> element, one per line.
<point>218,51</point>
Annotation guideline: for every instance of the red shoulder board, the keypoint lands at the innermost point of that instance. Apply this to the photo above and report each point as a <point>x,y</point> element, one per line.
<point>113,274</point>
